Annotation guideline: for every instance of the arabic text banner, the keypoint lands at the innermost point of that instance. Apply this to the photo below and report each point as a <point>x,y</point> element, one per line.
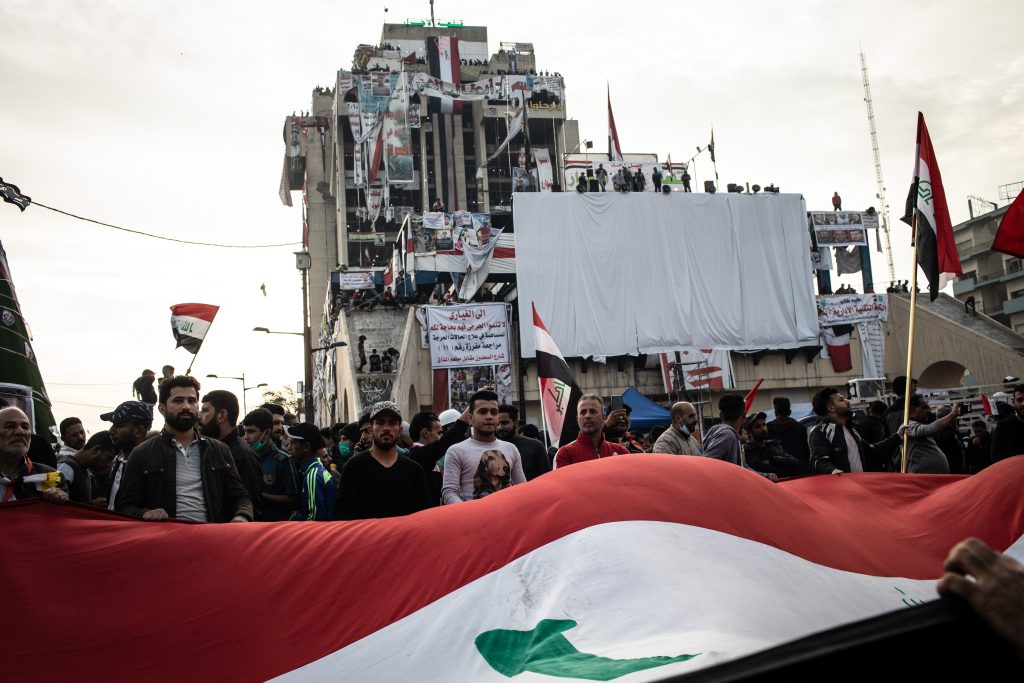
<point>469,335</point>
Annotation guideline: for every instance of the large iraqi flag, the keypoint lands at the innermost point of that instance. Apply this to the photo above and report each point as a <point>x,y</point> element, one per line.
<point>632,568</point>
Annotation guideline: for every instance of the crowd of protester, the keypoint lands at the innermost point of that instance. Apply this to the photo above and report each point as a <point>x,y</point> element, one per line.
<point>206,465</point>
<point>209,463</point>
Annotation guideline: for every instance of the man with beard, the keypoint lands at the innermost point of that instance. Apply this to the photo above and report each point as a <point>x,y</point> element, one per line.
<point>835,445</point>
<point>380,482</point>
<point>590,444</point>
<point>678,439</point>
<point>317,492</point>
<point>131,421</point>
<point>217,419</point>
<point>15,465</point>
<point>278,412</point>
<point>280,491</point>
<point>181,474</point>
<point>535,458</point>
<point>462,460</point>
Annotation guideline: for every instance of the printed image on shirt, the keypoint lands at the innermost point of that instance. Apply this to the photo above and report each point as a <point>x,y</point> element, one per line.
<point>493,474</point>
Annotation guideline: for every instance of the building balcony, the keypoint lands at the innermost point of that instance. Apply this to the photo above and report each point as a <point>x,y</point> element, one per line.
<point>964,286</point>
<point>1013,306</point>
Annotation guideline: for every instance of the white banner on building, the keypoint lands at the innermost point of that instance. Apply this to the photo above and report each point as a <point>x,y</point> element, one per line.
<point>543,160</point>
<point>849,309</point>
<point>872,347</point>
<point>468,335</point>
<point>355,280</point>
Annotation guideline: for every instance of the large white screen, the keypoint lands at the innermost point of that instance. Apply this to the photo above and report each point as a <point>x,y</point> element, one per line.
<point>615,273</point>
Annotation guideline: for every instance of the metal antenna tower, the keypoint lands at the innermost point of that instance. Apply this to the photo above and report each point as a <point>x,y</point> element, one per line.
<point>883,209</point>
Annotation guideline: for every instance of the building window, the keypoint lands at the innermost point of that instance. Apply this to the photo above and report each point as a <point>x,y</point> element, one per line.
<point>1018,294</point>
<point>1014,265</point>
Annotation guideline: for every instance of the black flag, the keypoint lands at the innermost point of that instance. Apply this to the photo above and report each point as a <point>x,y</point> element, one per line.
<point>12,195</point>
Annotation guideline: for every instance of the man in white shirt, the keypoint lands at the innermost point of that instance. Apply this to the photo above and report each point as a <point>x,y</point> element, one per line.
<point>480,465</point>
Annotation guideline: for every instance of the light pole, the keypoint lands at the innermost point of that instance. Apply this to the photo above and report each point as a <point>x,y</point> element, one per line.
<point>303,261</point>
<point>245,405</point>
<point>263,329</point>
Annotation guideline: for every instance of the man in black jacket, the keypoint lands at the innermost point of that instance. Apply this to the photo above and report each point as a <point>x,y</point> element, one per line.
<point>218,418</point>
<point>789,432</point>
<point>180,473</point>
<point>835,445</point>
<point>430,445</point>
<point>535,457</point>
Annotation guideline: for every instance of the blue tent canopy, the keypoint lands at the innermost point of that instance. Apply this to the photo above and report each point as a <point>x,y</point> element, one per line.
<point>646,413</point>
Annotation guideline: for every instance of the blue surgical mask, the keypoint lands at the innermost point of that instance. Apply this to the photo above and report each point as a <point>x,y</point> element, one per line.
<point>683,428</point>
<point>345,448</point>
<point>257,446</point>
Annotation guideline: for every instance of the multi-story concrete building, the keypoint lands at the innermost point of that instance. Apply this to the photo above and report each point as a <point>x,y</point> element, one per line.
<point>994,280</point>
<point>380,149</point>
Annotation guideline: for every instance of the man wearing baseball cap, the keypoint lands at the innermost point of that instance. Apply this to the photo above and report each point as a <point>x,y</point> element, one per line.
<point>132,420</point>
<point>316,491</point>
<point>380,482</point>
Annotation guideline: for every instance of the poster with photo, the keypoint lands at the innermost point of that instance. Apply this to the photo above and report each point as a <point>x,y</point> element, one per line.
<point>841,228</point>
<point>463,382</point>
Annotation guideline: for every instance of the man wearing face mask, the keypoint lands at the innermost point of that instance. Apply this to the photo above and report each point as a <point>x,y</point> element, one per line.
<point>678,439</point>
<point>217,419</point>
<point>280,491</point>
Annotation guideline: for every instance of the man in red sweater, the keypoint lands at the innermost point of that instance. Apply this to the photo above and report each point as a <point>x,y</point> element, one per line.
<point>591,444</point>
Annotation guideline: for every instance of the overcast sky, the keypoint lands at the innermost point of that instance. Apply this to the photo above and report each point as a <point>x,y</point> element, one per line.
<point>166,117</point>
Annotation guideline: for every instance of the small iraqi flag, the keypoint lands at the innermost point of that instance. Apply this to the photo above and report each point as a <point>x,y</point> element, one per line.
<point>559,392</point>
<point>190,323</point>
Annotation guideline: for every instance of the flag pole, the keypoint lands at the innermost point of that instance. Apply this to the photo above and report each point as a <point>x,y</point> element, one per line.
<point>543,417</point>
<point>910,344</point>
<point>188,371</point>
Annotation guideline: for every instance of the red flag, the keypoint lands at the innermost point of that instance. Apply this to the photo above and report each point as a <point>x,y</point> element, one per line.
<point>986,404</point>
<point>559,392</point>
<point>838,344</point>
<point>614,150</point>
<point>1010,236</point>
<point>936,252</point>
<point>190,323</point>
<point>749,400</point>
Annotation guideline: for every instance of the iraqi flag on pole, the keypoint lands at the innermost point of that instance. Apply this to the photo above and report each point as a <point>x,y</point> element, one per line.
<point>633,569</point>
<point>614,150</point>
<point>936,251</point>
<point>190,323</point>
<point>559,392</point>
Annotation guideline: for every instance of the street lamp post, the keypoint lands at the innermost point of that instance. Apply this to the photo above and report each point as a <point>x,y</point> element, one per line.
<point>303,261</point>
<point>245,405</point>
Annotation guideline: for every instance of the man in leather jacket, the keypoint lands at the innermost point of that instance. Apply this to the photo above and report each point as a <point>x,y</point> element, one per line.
<point>179,473</point>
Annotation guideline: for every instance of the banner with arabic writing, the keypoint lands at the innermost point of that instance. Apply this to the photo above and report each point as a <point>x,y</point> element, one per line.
<point>850,309</point>
<point>468,335</point>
